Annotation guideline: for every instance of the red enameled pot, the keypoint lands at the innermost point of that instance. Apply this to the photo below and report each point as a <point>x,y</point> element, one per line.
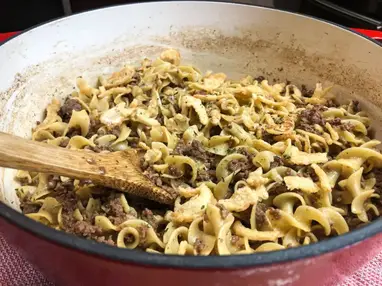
<point>42,63</point>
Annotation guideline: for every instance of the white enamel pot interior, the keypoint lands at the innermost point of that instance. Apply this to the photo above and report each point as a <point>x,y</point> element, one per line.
<point>44,62</point>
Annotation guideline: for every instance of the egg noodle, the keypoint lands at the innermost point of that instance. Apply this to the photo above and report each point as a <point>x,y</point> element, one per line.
<point>254,166</point>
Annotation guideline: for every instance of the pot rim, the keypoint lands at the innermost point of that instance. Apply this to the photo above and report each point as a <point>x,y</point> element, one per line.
<point>190,262</point>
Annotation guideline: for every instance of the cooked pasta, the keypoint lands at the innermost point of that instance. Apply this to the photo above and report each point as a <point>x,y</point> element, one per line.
<point>256,166</point>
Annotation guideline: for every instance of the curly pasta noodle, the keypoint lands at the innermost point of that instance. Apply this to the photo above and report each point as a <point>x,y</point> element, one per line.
<point>257,167</point>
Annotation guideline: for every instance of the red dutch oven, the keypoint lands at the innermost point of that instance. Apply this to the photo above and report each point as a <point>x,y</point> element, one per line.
<point>237,39</point>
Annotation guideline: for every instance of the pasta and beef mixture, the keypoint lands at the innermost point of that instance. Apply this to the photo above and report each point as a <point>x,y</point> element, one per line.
<point>255,166</point>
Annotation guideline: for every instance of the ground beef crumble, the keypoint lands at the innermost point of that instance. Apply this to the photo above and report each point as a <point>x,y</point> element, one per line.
<point>306,92</point>
<point>275,213</point>
<point>95,125</point>
<point>67,108</point>
<point>277,162</point>
<point>174,171</point>
<point>309,172</point>
<point>278,189</point>
<point>75,131</point>
<point>114,210</point>
<point>205,175</point>
<point>242,166</point>
<point>308,118</point>
<point>356,106</point>
<point>260,79</point>
<point>155,177</point>
<point>378,183</point>
<point>149,217</point>
<point>337,122</point>
<point>194,150</point>
<point>235,241</point>
<point>223,211</point>
<point>199,245</point>
<point>142,230</point>
<point>260,215</point>
<point>268,137</point>
<point>27,206</point>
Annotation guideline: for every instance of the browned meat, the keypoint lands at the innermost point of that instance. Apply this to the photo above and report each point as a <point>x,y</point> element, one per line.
<point>194,149</point>
<point>216,130</point>
<point>74,132</point>
<point>268,137</point>
<point>84,228</point>
<point>153,176</point>
<point>378,183</point>
<point>63,192</point>
<point>64,142</point>
<point>312,116</point>
<point>315,199</point>
<point>260,78</point>
<point>148,216</point>
<point>97,149</point>
<point>67,108</point>
<point>356,106</point>
<point>275,213</point>
<point>199,245</point>
<point>174,171</point>
<point>308,118</point>
<point>116,131</point>
<point>353,222</point>
<point>235,241</point>
<point>309,172</point>
<point>306,92</point>
<point>278,189</point>
<point>95,124</point>
<point>244,167</point>
<point>223,211</point>
<point>27,207</point>
<point>206,175</point>
<point>144,164</point>
<point>331,103</point>
<point>105,239</point>
<point>260,215</point>
<point>203,176</point>
<point>342,125</point>
<point>245,152</point>
<point>347,126</point>
<point>335,122</point>
<point>277,161</point>
<point>142,230</point>
<point>114,210</point>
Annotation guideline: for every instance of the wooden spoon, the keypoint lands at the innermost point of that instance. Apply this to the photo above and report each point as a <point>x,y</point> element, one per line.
<point>119,170</point>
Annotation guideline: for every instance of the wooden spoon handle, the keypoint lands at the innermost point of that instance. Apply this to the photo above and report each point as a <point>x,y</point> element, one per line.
<point>23,154</point>
<point>118,170</point>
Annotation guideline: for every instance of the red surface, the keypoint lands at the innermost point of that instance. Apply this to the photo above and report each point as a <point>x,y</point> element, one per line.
<point>5,36</point>
<point>376,35</point>
<point>66,266</point>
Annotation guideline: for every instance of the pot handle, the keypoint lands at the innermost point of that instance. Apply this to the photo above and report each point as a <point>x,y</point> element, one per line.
<point>374,34</point>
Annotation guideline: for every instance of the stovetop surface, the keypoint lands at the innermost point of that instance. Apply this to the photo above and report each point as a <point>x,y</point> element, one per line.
<point>16,15</point>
